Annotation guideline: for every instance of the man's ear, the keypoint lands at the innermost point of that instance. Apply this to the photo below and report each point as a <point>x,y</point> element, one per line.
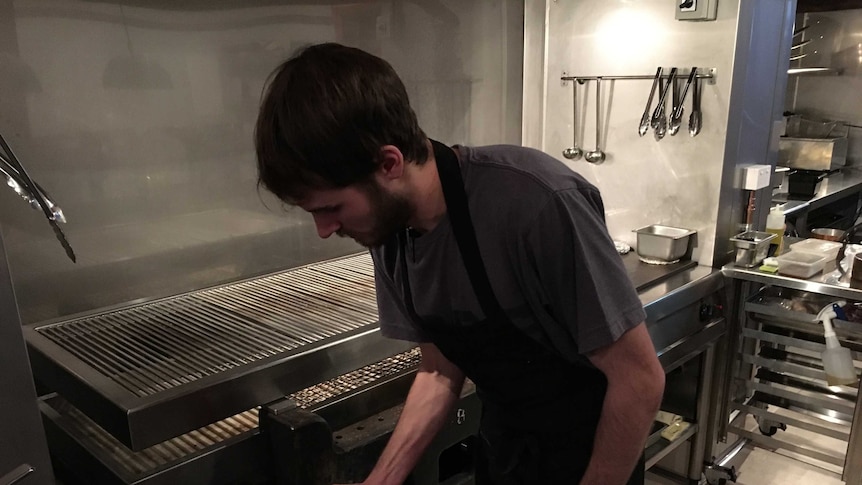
<point>390,162</point>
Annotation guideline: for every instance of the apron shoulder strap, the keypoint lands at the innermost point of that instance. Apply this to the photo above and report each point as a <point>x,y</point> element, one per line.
<point>458,210</point>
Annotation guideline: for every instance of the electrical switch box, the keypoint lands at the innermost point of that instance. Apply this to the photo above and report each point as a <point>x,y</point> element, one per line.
<point>755,177</point>
<point>696,9</point>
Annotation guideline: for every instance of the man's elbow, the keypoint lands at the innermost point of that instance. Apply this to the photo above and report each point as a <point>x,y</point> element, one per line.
<point>653,391</point>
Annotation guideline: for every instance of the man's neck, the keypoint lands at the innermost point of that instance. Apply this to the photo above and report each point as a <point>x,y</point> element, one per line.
<point>428,201</point>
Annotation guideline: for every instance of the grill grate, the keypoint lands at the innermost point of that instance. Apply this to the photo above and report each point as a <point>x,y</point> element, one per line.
<point>150,348</point>
<point>149,459</point>
<point>176,449</point>
<point>319,393</point>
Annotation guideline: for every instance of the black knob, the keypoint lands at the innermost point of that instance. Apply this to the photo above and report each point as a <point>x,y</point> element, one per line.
<point>709,311</point>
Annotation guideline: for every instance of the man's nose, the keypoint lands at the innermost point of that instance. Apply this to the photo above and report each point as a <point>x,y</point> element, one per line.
<point>326,226</point>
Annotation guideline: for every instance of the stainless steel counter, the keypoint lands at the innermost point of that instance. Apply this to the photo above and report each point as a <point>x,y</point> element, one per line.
<point>834,187</point>
<point>823,283</point>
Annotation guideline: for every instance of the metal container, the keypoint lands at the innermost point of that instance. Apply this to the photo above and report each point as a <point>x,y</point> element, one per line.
<point>827,234</point>
<point>663,243</point>
<point>812,153</point>
<point>751,247</point>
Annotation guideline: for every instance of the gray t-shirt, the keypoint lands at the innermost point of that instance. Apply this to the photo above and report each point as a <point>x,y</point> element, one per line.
<point>542,235</point>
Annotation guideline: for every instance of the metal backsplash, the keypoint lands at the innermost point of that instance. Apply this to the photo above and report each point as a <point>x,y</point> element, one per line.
<point>138,117</point>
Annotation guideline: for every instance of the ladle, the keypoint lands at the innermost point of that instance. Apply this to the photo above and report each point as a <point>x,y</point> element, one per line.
<point>597,156</point>
<point>574,152</point>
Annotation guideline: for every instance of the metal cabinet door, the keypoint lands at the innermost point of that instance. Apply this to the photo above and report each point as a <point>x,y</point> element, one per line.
<point>22,437</point>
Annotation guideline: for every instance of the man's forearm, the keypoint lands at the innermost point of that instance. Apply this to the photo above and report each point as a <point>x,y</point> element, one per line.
<point>426,410</point>
<point>627,416</point>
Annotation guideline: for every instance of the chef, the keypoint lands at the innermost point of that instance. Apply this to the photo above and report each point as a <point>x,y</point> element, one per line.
<point>495,260</point>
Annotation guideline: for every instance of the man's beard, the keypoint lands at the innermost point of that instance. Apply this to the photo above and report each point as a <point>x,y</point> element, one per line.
<point>391,213</point>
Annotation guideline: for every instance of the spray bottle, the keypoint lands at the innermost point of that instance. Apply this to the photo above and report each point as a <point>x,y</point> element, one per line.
<point>837,361</point>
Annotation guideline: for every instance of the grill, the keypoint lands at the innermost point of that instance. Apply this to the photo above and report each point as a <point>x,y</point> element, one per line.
<point>142,372</point>
<point>317,394</point>
<point>134,466</point>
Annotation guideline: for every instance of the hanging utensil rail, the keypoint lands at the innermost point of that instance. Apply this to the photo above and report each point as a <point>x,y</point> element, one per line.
<point>707,73</point>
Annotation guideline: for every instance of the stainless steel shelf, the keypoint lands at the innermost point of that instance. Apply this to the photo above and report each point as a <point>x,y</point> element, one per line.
<point>780,341</point>
<point>816,284</point>
<point>663,447</point>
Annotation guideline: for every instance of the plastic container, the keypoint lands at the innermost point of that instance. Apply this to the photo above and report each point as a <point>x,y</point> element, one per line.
<point>775,225</point>
<point>800,264</point>
<point>827,249</point>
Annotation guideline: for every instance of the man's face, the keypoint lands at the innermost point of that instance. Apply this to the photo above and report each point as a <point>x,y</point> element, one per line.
<point>367,213</point>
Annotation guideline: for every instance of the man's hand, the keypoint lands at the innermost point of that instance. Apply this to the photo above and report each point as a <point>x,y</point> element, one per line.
<point>635,388</point>
<point>435,390</point>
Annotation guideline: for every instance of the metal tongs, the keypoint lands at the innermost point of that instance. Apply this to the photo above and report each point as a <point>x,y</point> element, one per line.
<point>18,179</point>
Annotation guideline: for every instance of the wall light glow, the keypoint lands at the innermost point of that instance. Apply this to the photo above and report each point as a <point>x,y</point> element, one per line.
<point>628,33</point>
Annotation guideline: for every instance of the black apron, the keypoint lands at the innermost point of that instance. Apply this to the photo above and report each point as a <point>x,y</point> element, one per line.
<point>540,411</point>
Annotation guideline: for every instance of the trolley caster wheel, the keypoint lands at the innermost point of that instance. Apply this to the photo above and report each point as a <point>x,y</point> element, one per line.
<point>769,428</point>
<point>719,475</point>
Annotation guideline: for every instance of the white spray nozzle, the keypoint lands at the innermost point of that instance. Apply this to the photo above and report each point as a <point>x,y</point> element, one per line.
<point>837,361</point>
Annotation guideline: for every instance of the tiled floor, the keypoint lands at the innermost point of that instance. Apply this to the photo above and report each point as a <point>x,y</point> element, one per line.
<point>758,466</point>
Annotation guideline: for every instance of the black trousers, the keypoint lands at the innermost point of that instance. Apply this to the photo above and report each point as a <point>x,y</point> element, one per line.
<point>527,461</point>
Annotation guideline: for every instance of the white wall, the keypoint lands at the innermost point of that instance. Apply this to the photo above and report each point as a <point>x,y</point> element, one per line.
<point>675,181</point>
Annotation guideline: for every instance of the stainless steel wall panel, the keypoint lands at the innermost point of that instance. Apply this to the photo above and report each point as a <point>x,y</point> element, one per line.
<point>22,439</point>
<point>156,172</point>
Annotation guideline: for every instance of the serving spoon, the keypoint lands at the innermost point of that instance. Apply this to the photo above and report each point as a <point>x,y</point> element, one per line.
<point>597,156</point>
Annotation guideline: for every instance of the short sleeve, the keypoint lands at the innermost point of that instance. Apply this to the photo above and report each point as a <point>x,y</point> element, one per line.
<point>581,277</point>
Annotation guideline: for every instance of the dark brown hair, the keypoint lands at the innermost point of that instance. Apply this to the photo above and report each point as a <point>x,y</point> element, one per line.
<point>325,115</point>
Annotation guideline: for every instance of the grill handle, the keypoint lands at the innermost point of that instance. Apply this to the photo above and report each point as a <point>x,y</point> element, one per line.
<point>15,476</point>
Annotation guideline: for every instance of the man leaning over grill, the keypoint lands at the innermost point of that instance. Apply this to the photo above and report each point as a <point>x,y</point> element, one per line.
<point>496,260</point>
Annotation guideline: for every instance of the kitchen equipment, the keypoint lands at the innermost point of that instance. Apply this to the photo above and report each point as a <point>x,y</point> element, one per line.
<point>818,246</point>
<point>210,386</point>
<point>695,120</point>
<point>801,44</point>
<point>659,116</point>
<point>803,183</point>
<point>597,156</point>
<point>812,153</point>
<point>644,125</point>
<point>679,109</point>
<point>856,271</point>
<point>674,98</point>
<point>662,244</point>
<point>574,152</point>
<point>779,177</point>
<point>827,234</point>
<point>15,172</point>
<point>799,126</point>
<point>779,377</point>
<point>849,237</point>
<point>751,247</point>
<point>800,264</point>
